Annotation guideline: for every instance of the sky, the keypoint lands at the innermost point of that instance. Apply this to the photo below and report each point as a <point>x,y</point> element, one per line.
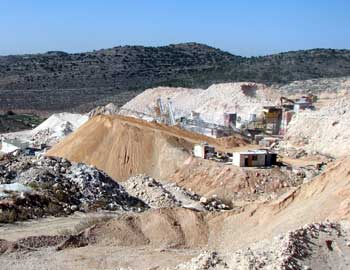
<point>242,27</point>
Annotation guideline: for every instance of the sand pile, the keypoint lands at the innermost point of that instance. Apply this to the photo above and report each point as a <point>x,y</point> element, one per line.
<point>55,121</point>
<point>211,103</point>
<point>125,146</point>
<point>52,130</point>
<point>164,228</point>
<point>323,87</point>
<point>56,127</point>
<point>326,197</point>
<point>325,131</point>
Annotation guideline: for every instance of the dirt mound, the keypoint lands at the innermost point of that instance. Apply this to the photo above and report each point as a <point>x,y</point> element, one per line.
<point>125,146</point>
<point>210,178</point>
<point>326,197</point>
<point>163,228</point>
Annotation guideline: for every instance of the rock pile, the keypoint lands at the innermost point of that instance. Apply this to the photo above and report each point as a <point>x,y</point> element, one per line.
<point>205,261</point>
<point>70,187</point>
<point>298,249</point>
<point>108,109</point>
<point>150,191</point>
<point>158,194</point>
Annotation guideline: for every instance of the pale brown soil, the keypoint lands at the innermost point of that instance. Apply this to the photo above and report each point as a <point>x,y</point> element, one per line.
<point>125,146</point>
<point>229,182</point>
<point>326,197</point>
<point>164,237</point>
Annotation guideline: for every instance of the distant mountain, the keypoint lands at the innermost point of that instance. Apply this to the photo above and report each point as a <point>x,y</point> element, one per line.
<point>56,80</point>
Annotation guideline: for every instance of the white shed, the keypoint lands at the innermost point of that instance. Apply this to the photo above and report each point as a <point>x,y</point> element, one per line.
<point>203,150</point>
<point>254,158</point>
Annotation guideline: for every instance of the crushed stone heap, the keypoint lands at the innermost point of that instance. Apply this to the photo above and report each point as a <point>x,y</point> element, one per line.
<point>158,194</point>
<point>69,186</point>
<point>321,245</point>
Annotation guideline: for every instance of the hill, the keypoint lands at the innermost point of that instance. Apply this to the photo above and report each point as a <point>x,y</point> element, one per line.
<point>56,81</point>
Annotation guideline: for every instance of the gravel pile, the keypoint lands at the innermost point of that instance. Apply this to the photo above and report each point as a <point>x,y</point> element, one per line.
<point>206,260</point>
<point>158,194</point>
<point>150,191</point>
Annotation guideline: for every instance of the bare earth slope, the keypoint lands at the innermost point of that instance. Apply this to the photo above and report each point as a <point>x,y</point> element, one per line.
<point>326,197</point>
<point>324,131</point>
<point>156,239</point>
<point>124,146</point>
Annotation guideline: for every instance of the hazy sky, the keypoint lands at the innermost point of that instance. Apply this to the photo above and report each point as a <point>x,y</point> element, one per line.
<point>246,27</point>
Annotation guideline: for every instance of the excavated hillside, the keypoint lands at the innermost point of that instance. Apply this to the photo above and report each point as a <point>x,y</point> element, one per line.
<point>324,131</point>
<point>211,103</point>
<point>232,183</point>
<point>124,146</point>
<point>326,197</point>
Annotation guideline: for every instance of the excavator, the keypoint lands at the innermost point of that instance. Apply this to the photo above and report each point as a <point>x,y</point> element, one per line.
<point>287,103</point>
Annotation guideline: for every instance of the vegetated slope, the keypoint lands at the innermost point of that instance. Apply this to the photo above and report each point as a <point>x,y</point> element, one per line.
<point>124,146</point>
<point>11,122</point>
<point>60,81</point>
<point>323,87</point>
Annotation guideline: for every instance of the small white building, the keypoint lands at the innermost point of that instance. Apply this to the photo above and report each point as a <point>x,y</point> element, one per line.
<point>254,158</point>
<point>203,150</point>
<point>11,145</point>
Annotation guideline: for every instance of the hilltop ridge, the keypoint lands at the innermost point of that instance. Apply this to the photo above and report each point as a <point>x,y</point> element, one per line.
<point>57,81</point>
